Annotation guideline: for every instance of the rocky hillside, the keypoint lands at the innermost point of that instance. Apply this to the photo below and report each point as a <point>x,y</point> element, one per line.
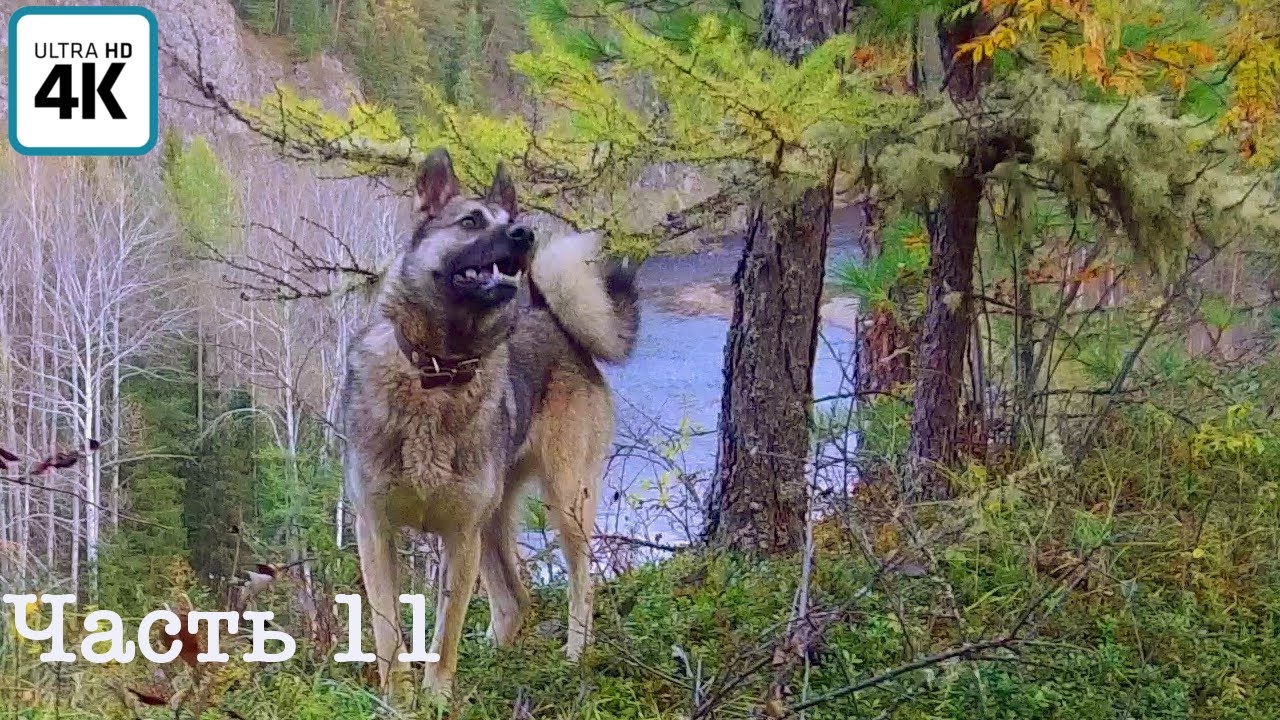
<point>207,34</point>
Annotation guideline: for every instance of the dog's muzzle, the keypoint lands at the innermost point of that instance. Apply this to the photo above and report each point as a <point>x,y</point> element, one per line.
<point>488,272</point>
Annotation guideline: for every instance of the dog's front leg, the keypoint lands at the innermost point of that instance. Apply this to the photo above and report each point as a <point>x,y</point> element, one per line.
<point>461,568</point>
<point>375,538</point>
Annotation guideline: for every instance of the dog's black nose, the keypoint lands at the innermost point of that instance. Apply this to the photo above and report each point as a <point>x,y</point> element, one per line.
<point>520,235</point>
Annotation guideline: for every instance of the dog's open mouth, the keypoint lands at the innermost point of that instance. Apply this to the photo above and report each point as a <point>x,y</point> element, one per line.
<point>504,271</point>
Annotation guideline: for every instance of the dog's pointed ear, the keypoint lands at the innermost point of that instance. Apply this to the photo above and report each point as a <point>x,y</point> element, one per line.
<point>437,184</point>
<point>503,192</point>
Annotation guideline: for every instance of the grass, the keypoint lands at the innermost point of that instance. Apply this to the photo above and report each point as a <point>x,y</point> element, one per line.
<point>1143,584</point>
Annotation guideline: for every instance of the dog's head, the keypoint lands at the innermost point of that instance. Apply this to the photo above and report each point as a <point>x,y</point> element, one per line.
<point>472,250</point>
<point>467,256</point>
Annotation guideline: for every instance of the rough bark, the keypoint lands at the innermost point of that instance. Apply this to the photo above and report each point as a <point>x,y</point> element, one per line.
<point>768,391</point>
<point>945,329</point>
<point>791,28</point>
<point>761,493</point>
<point>928,68</point>
<point>944,336</point>
<point>884,355</point>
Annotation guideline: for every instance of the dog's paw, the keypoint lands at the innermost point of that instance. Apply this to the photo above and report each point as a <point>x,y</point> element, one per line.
<point>400,686</point>
<point>437,682</point>
<point>503,631</point>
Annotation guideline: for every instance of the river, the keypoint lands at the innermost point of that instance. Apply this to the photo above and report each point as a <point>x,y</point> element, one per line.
<point>675,378</point>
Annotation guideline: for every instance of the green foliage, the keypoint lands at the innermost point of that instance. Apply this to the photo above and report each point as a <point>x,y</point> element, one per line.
<point>390,52</point>
<point>467,90</point>
<point>723,105</point>
<point>147,559</point>
<point>1176,619</point>
<point>676,21</point>
<point>883,429</point>
<point>295,496</point>
<point>904,254</point>
<point>1134,170</point>
<point>533,516</point>
<point>203,195</point>
<point>218,508</point>
<point>260,15</point>
<point>309,26</point>
<point>1218,314</point>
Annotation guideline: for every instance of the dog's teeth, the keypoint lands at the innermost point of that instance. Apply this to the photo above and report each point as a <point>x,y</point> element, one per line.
<point>471,273</point>
<point>496,271</point>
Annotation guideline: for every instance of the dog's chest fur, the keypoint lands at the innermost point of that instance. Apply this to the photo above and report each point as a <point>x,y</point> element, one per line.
<point>440,454</point>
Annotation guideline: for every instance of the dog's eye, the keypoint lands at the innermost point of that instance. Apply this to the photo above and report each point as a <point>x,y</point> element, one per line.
<point>470,222</point>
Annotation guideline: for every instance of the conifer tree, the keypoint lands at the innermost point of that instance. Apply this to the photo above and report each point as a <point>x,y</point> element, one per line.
<point>309,26</point>
<point>761,492</point>
<point>1084,62</point>
<point>467,88</point>
<point>144,560</point>
<point>391,53</point>
<point>260,15</point>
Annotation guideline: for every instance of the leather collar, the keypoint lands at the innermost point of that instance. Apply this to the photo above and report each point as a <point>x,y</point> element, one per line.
<point>436,372</point>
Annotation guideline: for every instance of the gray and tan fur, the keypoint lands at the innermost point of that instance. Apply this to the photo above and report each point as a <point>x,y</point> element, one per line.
<point>473,290</point>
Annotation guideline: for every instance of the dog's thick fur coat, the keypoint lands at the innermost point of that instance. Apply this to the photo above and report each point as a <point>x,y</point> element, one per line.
<point>478,374</point>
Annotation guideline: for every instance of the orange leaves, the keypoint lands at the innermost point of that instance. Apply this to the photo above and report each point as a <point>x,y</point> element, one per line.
<point>1021,19</point>
<point>1092,272</point>
<point>1087,46</point>
<point>1002,37</point>
<point>191,646</point>
<point>1095,63</point>
<point>1200,53</point>
<point>916,242</point>
<point>888,65</point>
<point>1127,79</point>
<point>1254,44</point>
<point>1172,62</point>
<point>1085,40</point>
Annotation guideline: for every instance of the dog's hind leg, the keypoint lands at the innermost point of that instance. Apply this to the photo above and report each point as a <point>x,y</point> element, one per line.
<point>376,541</point>
<point>458,581</point>
<point>500,569</point>
<point>573,459</point>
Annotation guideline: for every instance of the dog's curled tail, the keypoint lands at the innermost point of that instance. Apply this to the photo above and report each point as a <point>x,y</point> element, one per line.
<point>593,297</point>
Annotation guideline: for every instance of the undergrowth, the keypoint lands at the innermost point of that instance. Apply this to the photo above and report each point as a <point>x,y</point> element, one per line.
<point>1144,583</point>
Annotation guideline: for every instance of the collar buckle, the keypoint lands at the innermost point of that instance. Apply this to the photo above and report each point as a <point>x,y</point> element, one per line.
<point>434,372</point>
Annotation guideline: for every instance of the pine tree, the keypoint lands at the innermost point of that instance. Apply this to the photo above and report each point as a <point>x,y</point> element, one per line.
<point>1096,70</point>
<point>468,87</point>
<point>391,53</point>
<point>201,191</point>
<point>761,495</point>
<point>260,15</point>
<point>218,502</point>
<point>309,26</point>
<point>148,558</point>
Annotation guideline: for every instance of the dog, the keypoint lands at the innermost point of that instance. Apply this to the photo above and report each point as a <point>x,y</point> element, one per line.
<point>477,375</point>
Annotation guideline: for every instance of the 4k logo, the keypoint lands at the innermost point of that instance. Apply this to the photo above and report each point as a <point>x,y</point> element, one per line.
<point>82,80</point>
<point>66,102</point>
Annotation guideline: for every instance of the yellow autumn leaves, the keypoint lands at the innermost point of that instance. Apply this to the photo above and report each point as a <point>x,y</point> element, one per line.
<point>1094,41</point>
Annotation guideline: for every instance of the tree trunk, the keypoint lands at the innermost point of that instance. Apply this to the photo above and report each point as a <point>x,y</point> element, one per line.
<point>884,343</point>
<point>115,424</point>
<point>200,343</point>
<point>761,494</point>
<point>791,28</point>
<point>944,337</point>
<point>945,329</point>
<point>768,391</point>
